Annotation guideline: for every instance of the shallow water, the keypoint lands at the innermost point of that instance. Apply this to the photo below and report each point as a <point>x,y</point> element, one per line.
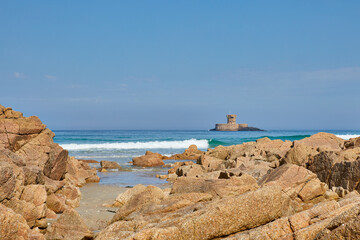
<point>122,145</point>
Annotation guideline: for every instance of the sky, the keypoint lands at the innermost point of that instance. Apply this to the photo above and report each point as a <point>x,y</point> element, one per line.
<point>182,64</point>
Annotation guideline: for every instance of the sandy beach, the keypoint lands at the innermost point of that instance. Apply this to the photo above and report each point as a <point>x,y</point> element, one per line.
<point>93,205</point>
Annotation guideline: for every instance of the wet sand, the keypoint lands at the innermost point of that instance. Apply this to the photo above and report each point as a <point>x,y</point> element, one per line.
<point>94,198</point>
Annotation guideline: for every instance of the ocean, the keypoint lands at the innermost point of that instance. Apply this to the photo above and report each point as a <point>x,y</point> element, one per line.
<point>122,145</point>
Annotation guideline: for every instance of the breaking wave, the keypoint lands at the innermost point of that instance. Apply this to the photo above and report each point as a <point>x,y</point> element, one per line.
<point>348,136</point>
<point>203,144</point>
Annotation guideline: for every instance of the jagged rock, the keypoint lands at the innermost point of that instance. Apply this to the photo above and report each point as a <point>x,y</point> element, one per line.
<point>344,226</point>
<point>298,183</point>
<point>69,226</point>
<point>299,154</point>
<point>176,165</point>
<point>193,170</point>
<point>255,168</point>
<point>7,181</point>
<point>14,227</point>
<point>28,210</point>
<point>211,163</point>
<point>56,203</point>
<point>72,195</point>
<point>35,194</point>
<point>191,153</point>
<point>109,165</point>
<point>338,169</point>
<point>352,142</point>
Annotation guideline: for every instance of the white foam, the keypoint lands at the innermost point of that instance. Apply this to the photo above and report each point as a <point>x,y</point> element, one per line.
<point>348,136</point>
<point>139,145</point>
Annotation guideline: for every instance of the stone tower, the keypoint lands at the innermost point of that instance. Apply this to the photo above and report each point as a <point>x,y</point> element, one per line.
<point>231,119</point>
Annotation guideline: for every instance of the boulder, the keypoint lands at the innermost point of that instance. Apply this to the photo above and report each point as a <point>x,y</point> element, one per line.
<point>7,181</point>
<point>69,226</point>
<point>148,196</point>
<point>124,197</point>
<point>35,194</point>
<point>148,160</point>
<point>33,214</point>
<point>297,182</point>
<point>193,170</point>
<point>56,202</point>
<point>352,142</point>
<point>299,154</point>
<point>109,165</point>
<point>13,226</point>
<point>338,169</point>
<point>324,141</point>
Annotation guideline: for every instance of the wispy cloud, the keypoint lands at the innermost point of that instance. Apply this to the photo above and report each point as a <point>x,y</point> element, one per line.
<point>87,99</point>
<point>19,75</point>
<point>50,77</point>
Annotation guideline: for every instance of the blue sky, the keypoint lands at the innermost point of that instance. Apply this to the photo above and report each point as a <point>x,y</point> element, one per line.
<point>182,64</point>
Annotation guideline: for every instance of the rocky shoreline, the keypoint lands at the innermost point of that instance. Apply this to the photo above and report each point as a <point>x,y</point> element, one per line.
<point>268,189</point>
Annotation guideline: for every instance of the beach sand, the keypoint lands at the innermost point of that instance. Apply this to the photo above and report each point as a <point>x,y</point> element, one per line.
<point>94,198</point>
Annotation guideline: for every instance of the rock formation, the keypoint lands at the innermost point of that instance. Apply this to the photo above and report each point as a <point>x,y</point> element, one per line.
<point>268,189</point>
<point>37,177</point>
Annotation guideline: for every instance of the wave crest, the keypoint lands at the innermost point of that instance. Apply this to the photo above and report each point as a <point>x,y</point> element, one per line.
<point>203,143</point>
<point>348,136</point>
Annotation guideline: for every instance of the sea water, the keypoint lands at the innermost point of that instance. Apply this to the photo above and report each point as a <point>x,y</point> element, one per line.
<point>122,145</point>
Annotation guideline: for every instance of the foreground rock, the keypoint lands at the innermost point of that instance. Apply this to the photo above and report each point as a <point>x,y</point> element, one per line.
<point>37,177</point>
<point>69,226</point>
<point>260,190</point>
<point>291,203</point>
<point>13,226</point>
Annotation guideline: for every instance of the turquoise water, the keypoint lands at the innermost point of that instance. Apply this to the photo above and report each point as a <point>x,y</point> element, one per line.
<point>122,145</point>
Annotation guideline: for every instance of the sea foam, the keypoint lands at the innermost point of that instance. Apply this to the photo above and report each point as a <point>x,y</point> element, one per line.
<point>348,136</point>
<point>203,144</point>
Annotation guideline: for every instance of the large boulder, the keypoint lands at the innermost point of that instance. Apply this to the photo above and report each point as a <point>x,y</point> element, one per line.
<point>14,227</point>
<point>148,196</point>
<point>69,226</point>
<point>224,217</point>
<point>124,197</point>
<point>299,154</point>
<point>297,182</point>
<point>338,169</point>
<point>344,226</point>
